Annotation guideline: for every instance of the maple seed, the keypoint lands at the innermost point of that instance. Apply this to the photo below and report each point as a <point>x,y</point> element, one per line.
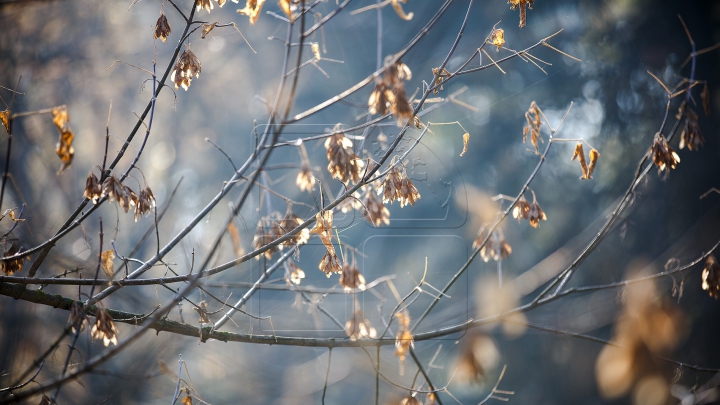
<point>186,67</point>
<point>351,278</point>
<point>358,327</point>
<point>691,135</point>
<point>104,328</point>
<point>496,248</point>
<point>397,186</point>
<point>343,163</point>
<point>252,10</point>
<point>93,189</point>
<point>663,155</point>
<point>204,4</point>
<point>711,277</point>
<point>376,212</point>
<point>162,28</point>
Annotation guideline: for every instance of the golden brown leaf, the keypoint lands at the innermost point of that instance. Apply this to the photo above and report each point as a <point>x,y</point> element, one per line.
<point>285,7</point>
<point>594,155</point>
<point>580,155</point>
<point>64,148</point>
<point>466,139</point>
<point>252,10</point>
<point>235,237</point>
<point>497,38</point>
<point>187,400</point>
<point>5,119</point>
<point>106,263</point>
<point>206,28</point>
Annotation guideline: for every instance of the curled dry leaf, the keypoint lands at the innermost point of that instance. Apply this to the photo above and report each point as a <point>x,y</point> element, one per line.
<point>397,5</point>
<point>162,28</point>
<point>252,10</point>
<point>497,38</point>
<point>532,116</point>
<point>594,155</point>
<point>64,148</point>
<point>235,238</point>
<point>5,119</point>
<point>580,155</point>
<point>106,263</point>
<point>206,28</point>
<point>466,139</point>
<point>202,311</point>
<point>187,400</point>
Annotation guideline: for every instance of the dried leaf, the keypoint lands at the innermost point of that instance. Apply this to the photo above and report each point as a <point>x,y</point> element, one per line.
<point>206,28</point>
<point>235,236</point>
<point>466,139</point>
<point>706,99</point>
<point>187,400</point>
<point>64,148</point>
<point>106,263</point>
<point>396,4</point>
<point>5,119</point>
<point>285,7</point>
<point>580,155</point>
<point>594,155</point>
<point>252,10</point>
<point>523,4</point>
<point>497,38</point>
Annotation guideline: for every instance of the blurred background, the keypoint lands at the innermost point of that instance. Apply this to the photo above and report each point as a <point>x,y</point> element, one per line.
<point>65,52</point>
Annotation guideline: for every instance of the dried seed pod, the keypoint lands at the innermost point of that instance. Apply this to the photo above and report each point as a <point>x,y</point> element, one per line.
<point>204,4</point>
<point>293,273</point>
<point>305,179</point>
<point>358,327</point>
<point>93,188</point>
<point>330,263</point>
<point>104,328</point>
<point>351,278</point>
<point>263,237</point>
<point>663,155</point>
<point>691,135</point>
<point>187,66</point>
<point>532,116</point>
<point>376,212</point>
<point>162,27</point>
<point>10,267</point>
<point>711,277</point>
<point>343,163</point>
